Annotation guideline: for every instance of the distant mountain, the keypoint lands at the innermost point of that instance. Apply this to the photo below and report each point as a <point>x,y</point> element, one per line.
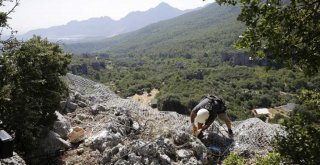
<point>103,27</point>
<point>212,29</point>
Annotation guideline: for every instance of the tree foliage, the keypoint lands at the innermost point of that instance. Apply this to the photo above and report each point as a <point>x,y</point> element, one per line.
<point>302,143</point>
<point>10,41</point>
<point>31,90</point>
<point>283,31</point>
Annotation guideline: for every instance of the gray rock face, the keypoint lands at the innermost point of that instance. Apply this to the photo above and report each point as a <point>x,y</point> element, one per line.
<point>14,160</point>
<point>255,136</point>
<point>200,150</point>
<point>61,126</point>
<point>105,139</point>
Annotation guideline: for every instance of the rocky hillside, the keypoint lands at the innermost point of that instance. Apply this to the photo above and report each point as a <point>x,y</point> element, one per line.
<point>121,131</point>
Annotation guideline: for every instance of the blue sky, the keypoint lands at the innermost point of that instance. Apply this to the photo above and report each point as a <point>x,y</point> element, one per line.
<point>33,14</point>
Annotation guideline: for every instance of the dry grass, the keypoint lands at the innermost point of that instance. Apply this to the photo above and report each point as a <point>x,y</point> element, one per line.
<point>144,98</point>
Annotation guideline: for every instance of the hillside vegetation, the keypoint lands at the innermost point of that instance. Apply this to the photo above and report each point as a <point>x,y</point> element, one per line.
<point>187,58</point>
<point>211,30</point>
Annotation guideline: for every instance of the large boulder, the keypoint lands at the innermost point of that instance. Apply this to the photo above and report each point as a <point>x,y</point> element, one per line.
<point>253,136</point>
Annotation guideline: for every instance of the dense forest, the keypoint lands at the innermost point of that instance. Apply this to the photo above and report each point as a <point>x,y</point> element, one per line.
<point>184,81</point>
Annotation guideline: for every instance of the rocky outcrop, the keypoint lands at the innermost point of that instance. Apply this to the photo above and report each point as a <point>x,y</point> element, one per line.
<point>121,131</point>
<point>253,136</point>
<point>14,160</point>
<point>162,150</point>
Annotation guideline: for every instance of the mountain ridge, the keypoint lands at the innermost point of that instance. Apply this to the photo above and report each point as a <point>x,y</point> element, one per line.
<point>202,27</point>
<point>103,27</point>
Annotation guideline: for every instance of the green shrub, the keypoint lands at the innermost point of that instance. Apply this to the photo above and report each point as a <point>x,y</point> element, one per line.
<point>271,158</point>
<point>234,159</point>
<point>31,89</point>
<point>301,145</point>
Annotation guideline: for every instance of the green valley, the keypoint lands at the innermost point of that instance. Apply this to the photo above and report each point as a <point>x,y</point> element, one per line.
<point>186,58</point>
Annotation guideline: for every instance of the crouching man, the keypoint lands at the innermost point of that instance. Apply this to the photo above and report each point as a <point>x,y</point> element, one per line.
<point>204,114</point>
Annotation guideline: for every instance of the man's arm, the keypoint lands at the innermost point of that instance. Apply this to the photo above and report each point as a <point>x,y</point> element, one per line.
<point>207,125</point>
<point>192,116</point>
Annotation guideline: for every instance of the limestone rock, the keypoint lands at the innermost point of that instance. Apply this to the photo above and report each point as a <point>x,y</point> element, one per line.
<point>164,159</point>
<point>61,126</point>
<point>183,153</point>
<point>71,106</point>
<point>14,160</point>
<point>199,149</point>
<point>133,158</point>
<point>105,139</point>
<point>82,104</point>
<point>109,153</point>
<point>96,108</point>
<point>182,138</point>
<point>149,150</point>
<point>189,161</point>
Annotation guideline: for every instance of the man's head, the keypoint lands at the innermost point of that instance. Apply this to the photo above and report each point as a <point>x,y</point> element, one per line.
<point>202,116</point>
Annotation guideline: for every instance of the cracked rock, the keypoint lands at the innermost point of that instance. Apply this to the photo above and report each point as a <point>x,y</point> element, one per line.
<point>105,139</point>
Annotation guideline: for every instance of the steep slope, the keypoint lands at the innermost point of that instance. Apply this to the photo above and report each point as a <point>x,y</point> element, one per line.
<point>121,131</point>
<point>206,30</point>
<point>106,27</point>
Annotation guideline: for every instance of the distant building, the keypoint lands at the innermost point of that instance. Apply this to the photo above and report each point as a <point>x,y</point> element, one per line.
<point>261,111</point>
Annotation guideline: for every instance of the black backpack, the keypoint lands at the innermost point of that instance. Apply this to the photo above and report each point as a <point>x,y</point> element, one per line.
<point>217,103</point>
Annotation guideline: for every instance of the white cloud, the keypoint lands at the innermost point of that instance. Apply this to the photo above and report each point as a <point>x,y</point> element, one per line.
<point>32,14</point>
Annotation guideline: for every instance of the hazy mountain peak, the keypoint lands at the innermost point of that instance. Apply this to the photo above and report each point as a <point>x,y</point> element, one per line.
<point>103,27</point>
<point>163,5</point>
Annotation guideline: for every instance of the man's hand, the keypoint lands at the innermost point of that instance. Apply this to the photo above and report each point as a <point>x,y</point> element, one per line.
<point>200,133</point>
